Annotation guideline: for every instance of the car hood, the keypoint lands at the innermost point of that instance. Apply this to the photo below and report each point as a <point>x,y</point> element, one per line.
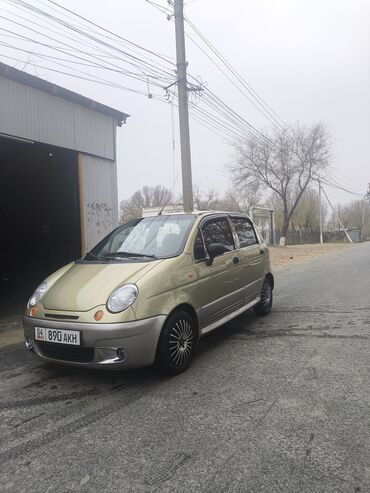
<point>85,286</point>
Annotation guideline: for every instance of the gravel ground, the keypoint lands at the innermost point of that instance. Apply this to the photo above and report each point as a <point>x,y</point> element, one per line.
<point>282,257</point>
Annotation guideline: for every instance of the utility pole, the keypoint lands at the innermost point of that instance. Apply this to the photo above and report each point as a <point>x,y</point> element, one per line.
<point>320,212</point>
<point>338,218</point>
<point>365,199</point>
<point>182,86</point>
<point>367,195</point>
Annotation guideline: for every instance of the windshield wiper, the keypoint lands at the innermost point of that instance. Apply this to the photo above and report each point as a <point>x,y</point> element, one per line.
<point>128,254</point>
<point>91,256</point>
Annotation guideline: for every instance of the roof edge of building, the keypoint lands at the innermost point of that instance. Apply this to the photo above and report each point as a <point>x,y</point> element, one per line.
<point>43,85</point>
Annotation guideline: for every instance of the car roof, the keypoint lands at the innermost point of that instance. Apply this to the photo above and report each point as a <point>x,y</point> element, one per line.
<point>199,213</point>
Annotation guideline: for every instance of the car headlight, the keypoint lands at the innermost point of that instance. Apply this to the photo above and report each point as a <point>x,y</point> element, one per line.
<point>38,294</point>
<point>122,298</point>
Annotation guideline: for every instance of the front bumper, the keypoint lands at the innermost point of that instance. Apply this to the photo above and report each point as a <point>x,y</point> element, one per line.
<point>136,343</point>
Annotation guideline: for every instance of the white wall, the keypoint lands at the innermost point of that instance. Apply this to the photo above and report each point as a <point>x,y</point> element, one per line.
<point>98,178</point>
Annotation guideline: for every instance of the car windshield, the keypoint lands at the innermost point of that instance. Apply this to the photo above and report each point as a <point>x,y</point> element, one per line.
<point>152,237</point>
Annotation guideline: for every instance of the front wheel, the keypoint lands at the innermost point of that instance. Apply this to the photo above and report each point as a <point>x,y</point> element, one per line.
<point>264,306</point>
<point>177,343</point>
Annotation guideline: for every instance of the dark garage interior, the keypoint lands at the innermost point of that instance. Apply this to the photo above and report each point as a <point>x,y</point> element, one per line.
<point>40,216</point>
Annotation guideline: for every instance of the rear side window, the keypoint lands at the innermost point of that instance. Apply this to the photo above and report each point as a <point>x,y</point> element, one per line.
<point>244,231</point>
<point>218,231</point>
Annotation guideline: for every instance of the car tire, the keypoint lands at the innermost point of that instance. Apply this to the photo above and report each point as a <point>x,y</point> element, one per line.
<point>177,343</point>
<point>264,306</point>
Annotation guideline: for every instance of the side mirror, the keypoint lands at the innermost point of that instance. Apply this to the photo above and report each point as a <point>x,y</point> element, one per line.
<point>214,250</point>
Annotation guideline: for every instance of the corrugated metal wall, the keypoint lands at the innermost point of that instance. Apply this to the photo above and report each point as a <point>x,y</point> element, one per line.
<point>35,115</point>
<point>98,178</point>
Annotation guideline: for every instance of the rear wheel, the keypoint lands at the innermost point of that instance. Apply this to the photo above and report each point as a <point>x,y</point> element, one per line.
<point>177,343</point>
<point>264,306</point>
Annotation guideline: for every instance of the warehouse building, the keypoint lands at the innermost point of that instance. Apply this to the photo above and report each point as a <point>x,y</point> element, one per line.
<point>58,177</point>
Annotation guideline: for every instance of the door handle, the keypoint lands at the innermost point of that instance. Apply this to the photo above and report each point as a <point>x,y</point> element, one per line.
<point>236,260</point>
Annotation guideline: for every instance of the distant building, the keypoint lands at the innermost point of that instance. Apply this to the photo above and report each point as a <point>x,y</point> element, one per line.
<point>264,219</point>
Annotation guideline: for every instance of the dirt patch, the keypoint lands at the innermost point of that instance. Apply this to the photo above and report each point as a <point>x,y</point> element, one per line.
<point>11,328</point>
<point>281,257</point>
<point>11,337</point>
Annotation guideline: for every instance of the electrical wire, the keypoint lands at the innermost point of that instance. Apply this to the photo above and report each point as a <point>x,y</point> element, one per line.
<point>111,66</point>
<point>244,93</point>
<point>259,103</point>
<point>94,79</point>
<point>224,111</point>
<point>218,117</point>
<point>161,8</point>
<point>148,65</point>
<point>163,57</point>
<point>332,184</point>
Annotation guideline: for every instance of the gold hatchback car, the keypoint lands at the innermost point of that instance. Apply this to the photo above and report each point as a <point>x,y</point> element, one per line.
<point>149,290</point>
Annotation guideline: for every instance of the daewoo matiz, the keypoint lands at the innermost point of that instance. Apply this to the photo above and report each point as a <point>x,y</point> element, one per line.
<point>149,290</point>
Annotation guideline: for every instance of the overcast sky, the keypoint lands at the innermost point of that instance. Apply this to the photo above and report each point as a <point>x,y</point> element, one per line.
<point>309,59</point>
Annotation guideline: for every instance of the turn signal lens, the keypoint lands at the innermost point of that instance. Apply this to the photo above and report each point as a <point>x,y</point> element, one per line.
<point>34,311</point>
<point>99,315</point>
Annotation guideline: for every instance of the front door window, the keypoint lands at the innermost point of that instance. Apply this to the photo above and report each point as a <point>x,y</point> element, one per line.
<point>218,231</point>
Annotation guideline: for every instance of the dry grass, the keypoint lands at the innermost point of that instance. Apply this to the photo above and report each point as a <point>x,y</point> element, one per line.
<point>281,257</point>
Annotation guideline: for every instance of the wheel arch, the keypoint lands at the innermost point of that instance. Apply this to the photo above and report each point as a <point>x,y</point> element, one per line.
<point>270,278</point>
<point>187,307</point>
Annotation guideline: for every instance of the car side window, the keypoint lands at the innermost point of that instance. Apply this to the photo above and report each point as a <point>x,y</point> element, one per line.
<point>244,231</point>
<point>218,230</point>
<point>199,250</point>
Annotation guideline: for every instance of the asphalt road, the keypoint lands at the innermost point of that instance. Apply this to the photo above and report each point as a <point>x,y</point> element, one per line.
<point>274,404</point>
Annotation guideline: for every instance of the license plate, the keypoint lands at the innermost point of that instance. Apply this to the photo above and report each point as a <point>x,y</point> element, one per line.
<point>59,336</point>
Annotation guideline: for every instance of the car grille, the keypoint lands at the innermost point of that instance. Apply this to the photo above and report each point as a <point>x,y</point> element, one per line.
<point>66,352</point>
<point>61,317</point>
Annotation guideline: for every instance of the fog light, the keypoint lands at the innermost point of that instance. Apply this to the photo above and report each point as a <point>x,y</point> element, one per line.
<point>121,353</point>
<point>29,344</point>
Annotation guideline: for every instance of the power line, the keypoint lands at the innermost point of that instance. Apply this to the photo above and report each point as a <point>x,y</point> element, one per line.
<point>111,66</point>
<point>230,79</point>
<point>260,104</point>
<point>161,8</point>
<point>332,184</point>
<point>165,58</point>
<point>134,60</point>
<point>94,79</point>
<point>224,111</point>
<point>94,61</point>
<point>219,117</point>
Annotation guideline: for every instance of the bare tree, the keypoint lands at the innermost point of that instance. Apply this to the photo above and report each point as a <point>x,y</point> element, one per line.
<point>356,214</point>
<point>285,161</point>
<point>205,201</point>
<point>239,200</point>
<point>307,213</point>
<point>146,197</point>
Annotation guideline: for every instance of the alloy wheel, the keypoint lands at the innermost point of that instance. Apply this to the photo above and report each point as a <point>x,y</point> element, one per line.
<point>266,295</point>
<point>181,341</point>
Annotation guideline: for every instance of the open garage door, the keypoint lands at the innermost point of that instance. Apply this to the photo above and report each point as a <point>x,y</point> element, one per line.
<point>40,215</point>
